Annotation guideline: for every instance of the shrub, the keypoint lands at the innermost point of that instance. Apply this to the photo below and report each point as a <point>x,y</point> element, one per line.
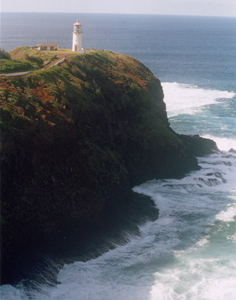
<point>11,66</point>
<point>4,54</point>
<point>34,59</point>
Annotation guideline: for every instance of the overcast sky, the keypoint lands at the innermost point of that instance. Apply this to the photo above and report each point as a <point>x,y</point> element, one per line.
<point>177,7</point>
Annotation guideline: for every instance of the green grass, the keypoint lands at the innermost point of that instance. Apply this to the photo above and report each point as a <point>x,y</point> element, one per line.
<point>42,58</point>
<point>29,58</point>
<point>24,51</point>
<point>62,51</point>
<point>15,65</point>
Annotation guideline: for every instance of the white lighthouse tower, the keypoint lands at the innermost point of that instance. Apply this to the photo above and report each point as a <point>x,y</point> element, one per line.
<point>77,38</point>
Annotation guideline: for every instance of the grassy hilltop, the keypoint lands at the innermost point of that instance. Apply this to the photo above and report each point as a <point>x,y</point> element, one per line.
<point>75,139</point>
<point>27,59</point>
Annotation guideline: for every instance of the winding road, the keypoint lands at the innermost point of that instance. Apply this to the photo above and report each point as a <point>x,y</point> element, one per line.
<point>27,72</point>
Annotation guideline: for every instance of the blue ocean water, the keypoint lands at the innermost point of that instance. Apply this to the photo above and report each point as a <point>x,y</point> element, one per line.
<point>189,252</point>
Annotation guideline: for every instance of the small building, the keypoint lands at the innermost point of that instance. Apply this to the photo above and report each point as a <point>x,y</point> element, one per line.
<point>48,46</point>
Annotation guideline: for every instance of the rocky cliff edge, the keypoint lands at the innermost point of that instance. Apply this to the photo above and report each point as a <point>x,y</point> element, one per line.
<point>75,139</point>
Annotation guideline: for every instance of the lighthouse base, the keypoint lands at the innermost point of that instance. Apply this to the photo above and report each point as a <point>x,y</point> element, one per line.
<point>79,50</point>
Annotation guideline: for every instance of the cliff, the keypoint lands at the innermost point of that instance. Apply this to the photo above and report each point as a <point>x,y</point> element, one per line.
<point>75,139</point>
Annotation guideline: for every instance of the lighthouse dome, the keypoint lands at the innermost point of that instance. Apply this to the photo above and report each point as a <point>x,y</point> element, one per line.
<point>77,23</point>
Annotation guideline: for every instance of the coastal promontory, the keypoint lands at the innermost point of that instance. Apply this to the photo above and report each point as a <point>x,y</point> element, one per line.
<point>75,139</point>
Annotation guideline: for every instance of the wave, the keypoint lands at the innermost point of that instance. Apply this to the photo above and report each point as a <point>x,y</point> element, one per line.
<point>187,253</point>
<point>188,98</point>
<point>196,279</point>
<point>224,144</point>
<point>202,209</point>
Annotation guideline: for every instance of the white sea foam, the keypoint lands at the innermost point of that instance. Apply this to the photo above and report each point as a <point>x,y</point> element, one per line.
<point>229,215</point>
<point>224,144</point>
<point>187,253</point>
<point>231,237</point>
<point>187,98</point>
<point>196,284</point>
<point>205,270</point>
<point>9,292</point>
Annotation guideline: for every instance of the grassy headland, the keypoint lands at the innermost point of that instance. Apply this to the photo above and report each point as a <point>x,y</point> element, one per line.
<point>29,58</point>
<point>75,139</point>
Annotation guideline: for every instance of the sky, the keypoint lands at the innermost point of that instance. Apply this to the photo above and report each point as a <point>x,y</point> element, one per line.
<point>226,8</point>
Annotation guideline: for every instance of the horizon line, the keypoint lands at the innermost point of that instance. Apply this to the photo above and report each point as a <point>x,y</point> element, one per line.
<point>114,13</point>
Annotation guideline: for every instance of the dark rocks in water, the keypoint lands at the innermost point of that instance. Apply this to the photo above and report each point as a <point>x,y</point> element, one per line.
<point>232,151</point>
<point>39,263</point>
<point>75,139</point>
<point>199,146</point>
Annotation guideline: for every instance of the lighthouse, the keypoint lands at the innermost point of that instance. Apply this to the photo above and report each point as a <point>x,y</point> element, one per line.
<point>77,38</point>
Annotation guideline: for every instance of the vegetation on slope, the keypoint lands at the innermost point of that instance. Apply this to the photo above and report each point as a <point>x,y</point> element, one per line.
<point>25,59</point>
<point>4,54</point>
<point>75,139</point>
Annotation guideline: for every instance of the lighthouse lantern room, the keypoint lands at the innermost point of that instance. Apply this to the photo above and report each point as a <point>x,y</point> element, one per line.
<point>77,37</point>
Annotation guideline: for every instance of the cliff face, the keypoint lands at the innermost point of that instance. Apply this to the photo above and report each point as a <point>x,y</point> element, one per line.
<point>76,138</point>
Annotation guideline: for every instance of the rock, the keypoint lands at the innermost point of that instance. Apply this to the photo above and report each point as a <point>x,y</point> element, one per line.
<point>75,139</point>
<point>232,151</point>
<point>199,146</point>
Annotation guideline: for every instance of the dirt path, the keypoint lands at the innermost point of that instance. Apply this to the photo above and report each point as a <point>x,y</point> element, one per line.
<point>61,58</point>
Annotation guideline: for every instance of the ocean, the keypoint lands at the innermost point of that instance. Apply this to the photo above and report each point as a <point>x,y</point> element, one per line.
<point>189,252</point>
